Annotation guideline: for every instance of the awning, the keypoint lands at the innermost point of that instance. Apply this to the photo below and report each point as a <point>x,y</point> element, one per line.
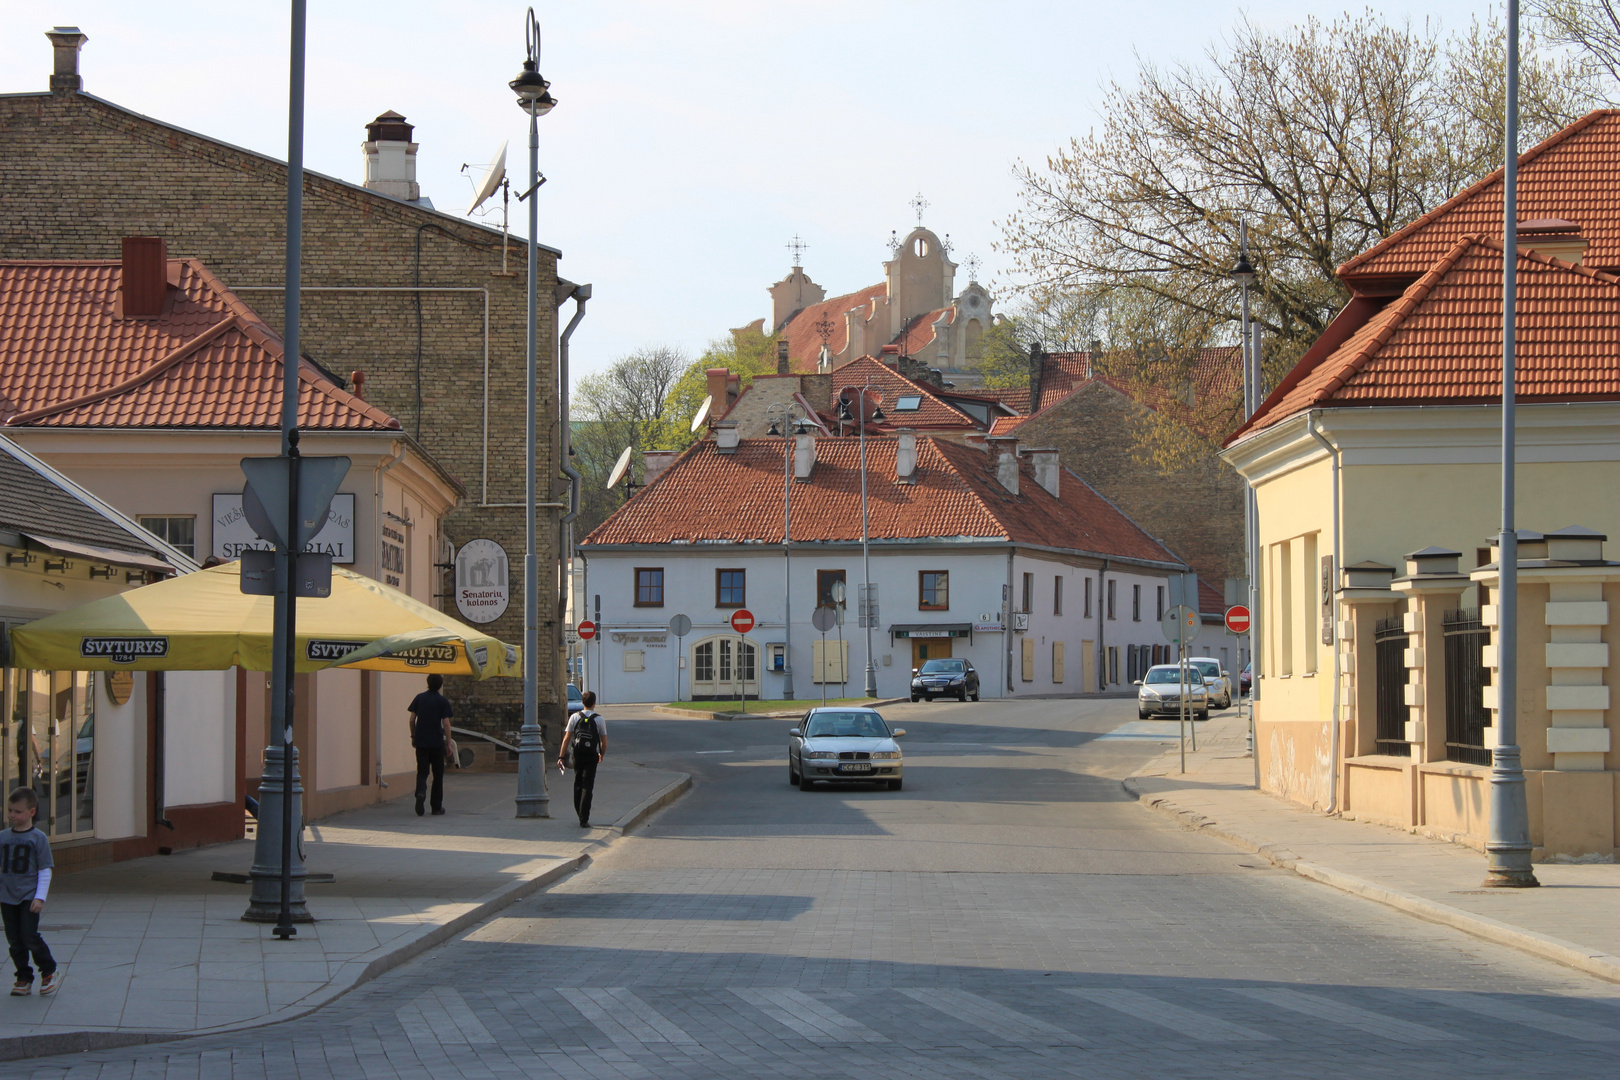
<point>203,622</point>
<point>101,554</point>
<point>931,630</point>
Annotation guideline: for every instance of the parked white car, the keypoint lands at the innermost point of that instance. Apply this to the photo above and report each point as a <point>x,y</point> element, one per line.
<point>844,746</point>
<point>1216,678</point>
<point>1160,693</point>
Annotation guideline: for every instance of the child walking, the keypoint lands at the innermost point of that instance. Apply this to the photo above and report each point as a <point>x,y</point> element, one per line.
<point>25,879</point>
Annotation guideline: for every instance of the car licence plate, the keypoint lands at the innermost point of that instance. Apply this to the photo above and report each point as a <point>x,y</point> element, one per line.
<point>855,766</point>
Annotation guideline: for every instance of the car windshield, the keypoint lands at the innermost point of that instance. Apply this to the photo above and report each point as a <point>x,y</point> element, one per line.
<point>846,725</point>
<point>1209,669</point>
<point>1163,675</point>
<point>952,666</point>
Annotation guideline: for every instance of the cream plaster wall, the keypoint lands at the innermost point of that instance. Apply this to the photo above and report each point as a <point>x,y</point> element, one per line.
<point>199,741</point>
<point>397,692</point>
<point>338,732</point>
<point>120,763</point>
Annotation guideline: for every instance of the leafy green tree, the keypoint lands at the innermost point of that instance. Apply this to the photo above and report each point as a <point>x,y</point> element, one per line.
<point>744,353</point>
<point>626,405</point>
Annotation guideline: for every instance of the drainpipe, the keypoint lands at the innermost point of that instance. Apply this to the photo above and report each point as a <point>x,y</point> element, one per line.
<point>579,294</point>
<point>376,564</point>
<point>1008,659</point>
<point>160,751</point>
<point>1102,628</point>
<point>1338,561</point>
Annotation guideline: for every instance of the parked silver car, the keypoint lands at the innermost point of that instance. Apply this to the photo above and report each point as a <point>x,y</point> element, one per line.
<point>1216,678</point>
<point>844,746</point>
<point>1160,693</point>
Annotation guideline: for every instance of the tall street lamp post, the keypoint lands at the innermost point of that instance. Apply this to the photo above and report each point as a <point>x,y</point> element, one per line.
<point>532,801</point>
<point>869,613</point>
<point>1243,273</point>
<point>782,417</point>
<point>1507,847</point>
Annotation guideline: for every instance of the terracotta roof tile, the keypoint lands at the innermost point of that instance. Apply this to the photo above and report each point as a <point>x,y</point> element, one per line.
<point>68,360</point>
<point>933,413</point>
<point>919,332</point>
<point>710,497</point>
<point>1570,175</point>
<point>804,340</point>
<point>1440,341</point>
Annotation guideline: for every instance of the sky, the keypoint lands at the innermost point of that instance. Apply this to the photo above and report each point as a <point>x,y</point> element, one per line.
<point>692,140</point>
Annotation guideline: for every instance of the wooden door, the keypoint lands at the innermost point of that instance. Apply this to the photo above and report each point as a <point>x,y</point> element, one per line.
<point>926,649</point>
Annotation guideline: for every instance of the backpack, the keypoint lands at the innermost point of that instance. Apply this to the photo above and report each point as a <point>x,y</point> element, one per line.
<point>587,741</point>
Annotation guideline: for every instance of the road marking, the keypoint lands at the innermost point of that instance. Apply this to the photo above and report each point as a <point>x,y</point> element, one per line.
<point>997,1019</point>
<point>806,1016</point>
<point>623,1017</point>
<point>1142,729</point>
<point>427,1025</point>
<point>1194,1025</point>
<point>1494,1006</point>
<point>1337,1012</point>
<point>714,751</point>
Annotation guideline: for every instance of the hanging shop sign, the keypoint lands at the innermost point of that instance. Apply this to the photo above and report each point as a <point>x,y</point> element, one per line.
<point>483,586</point>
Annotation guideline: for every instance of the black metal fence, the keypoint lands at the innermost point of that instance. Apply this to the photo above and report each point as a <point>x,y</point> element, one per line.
<point>1466,677</point>
<point>1389,640</point>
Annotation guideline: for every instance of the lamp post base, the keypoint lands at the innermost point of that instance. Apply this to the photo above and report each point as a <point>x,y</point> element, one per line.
<point>264,904</point>
<point>532,798</point>
<point>1508,848</point>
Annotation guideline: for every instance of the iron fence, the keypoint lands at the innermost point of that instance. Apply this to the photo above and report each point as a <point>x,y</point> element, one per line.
<point>1389,640</point>
<point>1466,678</point>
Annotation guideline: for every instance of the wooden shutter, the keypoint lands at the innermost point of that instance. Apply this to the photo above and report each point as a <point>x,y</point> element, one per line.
<point>1057,661</point>
<point>1029,660</point>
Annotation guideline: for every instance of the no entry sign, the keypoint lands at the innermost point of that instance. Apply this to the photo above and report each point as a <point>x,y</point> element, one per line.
<point>1237,619</point>
<point>587,629</point>
<point>742,620</point>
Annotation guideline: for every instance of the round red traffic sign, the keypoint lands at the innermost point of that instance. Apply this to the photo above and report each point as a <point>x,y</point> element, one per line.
<point>742,620</point>
<point>1237,619</point>
<point>587,629</point>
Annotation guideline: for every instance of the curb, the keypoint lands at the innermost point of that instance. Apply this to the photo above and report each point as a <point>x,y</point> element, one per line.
<point>73,1042</point>
<point>790,714</point>
<point>1544,946</point>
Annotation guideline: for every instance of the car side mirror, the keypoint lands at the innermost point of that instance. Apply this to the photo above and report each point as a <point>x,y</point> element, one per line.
<point>897,732</point>
<point>1138,682</point>
<point>795,732</point>
<point>915,670</point>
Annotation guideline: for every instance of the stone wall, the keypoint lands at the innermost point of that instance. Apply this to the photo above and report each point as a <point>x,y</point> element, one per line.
<point>78,174</point>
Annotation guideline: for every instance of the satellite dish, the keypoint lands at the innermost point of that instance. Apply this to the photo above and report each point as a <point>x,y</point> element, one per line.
<point>491,182</point>
<point>703,412</point>
<point>620,467</point>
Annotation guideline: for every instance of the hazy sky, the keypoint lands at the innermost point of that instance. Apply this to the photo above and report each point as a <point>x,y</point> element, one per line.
<point>693,138</point>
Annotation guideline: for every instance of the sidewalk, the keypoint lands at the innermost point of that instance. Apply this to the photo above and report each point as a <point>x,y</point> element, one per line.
<point>1573,918</point>
<point>153,948</point>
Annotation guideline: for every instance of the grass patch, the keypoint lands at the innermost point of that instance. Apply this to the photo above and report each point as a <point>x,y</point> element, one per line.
<point>765,706</point>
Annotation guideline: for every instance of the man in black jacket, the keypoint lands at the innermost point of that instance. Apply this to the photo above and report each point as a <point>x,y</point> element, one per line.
<point>430,734</point>
<point>587,735</point>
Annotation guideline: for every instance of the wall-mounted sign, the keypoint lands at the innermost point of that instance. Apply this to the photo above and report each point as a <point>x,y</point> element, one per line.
<point>120,684</point>
<point>482,585</point>
<point>233,535</point>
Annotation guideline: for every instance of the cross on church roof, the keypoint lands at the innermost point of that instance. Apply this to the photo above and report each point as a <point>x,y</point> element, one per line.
<point>919,204</point>
<point>824,327</point>
<point>797,246</point>
<point>971,264</point>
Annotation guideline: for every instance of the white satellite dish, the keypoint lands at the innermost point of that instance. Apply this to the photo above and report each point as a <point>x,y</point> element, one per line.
<point>619,468</point>
<point>703,412</point>
<point>491,182</point>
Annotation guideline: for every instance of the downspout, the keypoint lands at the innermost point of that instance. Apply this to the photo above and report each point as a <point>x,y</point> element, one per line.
<point>1102,628</point>
<point>376,565</point>
<point>580,294</point>
<point>160,692</point>
<point>1007,660</point>
<point>1333,740</point>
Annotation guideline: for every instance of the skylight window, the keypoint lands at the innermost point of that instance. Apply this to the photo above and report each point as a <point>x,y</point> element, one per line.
<point>909,403</point>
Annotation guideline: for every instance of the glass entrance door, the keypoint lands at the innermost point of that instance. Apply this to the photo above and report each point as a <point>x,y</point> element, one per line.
<point>48,744</point>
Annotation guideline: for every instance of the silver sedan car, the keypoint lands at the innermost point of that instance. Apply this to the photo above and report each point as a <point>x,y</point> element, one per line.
<point>836,745</point>
<point>1160,693</point>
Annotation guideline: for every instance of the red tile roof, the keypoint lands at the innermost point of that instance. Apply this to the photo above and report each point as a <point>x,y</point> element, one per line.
<point>710,497</point>
<point>1571,175</point>
<point>68,360</point>
<point>1015,398</point>
<point>1216,374</point>
<point>1440,341</point>
<point>932,414</point>
<point>804,340</point>
<point>919,332</point>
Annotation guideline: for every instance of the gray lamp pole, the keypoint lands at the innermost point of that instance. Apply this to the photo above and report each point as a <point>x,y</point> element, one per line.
<point>1243,273</point>
<point>869,614</point>
<point>532,800</point>
<point>1508,846</point>
<point>782,417</point>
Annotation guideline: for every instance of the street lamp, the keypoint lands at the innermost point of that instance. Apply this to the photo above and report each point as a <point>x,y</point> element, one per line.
<point>1243,273</point>
<point>534,98</point>
<point>781,416</point>
<point>869,613</point>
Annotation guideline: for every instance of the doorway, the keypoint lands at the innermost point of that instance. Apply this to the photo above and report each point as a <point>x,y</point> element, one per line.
<point>725,667</point>
<point>925,649</point>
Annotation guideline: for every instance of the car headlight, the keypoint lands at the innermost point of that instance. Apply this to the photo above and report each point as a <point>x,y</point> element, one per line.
<point>1148,692</point>
<point>821,755</point>
<point>886,755</point>
<point>958,680</point>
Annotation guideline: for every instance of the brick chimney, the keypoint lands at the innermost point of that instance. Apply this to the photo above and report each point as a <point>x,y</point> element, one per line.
<point>1036,361</point>
<point>905,456</point>
<point>66,41</point>
<point>1045,461</point>
<point>1004,460</point>
<point>718,378</point>
<point>654,462</point>
<point>144,281</point>
<point>391,157</point>
<point>782,356</point>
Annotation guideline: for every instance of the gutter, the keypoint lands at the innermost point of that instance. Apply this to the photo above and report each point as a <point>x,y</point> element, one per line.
<point>1338,561</point>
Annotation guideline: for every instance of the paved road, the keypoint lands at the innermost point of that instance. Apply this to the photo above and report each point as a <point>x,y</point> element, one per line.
<point>1009,914</point>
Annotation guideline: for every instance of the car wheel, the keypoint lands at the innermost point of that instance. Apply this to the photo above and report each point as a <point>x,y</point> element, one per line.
<point>1226,702</point>
<point>913,697</point>
<point>975,695</point>
<point>1141,714</point>
<point>962,697</point>
<point>1202,716</point>
<point>793,777</point>
<point>894,785</point>
<point>805,782</point>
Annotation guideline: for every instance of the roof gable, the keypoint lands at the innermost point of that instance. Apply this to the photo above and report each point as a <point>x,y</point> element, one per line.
<point>803,336</point>
<point>933,412</point>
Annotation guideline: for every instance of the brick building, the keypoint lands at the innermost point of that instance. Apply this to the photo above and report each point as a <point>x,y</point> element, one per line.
<point>414,298</point>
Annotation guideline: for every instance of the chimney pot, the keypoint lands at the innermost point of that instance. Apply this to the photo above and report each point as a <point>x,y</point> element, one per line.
<point>905,456</point>
<point>391,158</point>
<point>726,437</point>
<point>66,41</point>
<point>144,281</point>
<point>1047,472</point>
<point>1004,460</point>
<point>804,456</point>
<point>358,380</point>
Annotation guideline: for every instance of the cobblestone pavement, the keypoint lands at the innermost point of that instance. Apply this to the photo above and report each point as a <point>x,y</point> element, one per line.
<point>752,932</point>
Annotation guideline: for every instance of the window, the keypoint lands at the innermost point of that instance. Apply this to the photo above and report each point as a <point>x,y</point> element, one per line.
<point>1029,589</point>
<point>1057,594</point>
<point>1113,661</point>
<point>1086,601</point>
<point>730,589</point>
<point>635,660</point>
<point>933,590</point>
<point>1111,585</point>
<point>1308,603</point>
<point>1161,604</point>
<point>649,586</point>
<point>703,662</point>
<point>908,403</point>
<point>1136,603</point>
<point>825,580</point>
<point>179,531</point>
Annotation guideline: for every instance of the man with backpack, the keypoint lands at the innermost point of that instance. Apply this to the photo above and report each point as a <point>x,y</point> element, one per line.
<point>586,735</point>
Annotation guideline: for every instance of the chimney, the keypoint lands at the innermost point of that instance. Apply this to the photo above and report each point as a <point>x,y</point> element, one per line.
<point>66,41</point>
<point>717,390</point>
<point>1036,360</point>
<point>654,462</point>
<point>144,283</point>
<point>1045,461</point>
<point>726,437</point>
<point>1004,460</point>
<point>391,157</point>
<point>357,379</point>
<point>905,456</point>
<point>781,356</point>
<point>804,456</point>
<point>1552,237</point>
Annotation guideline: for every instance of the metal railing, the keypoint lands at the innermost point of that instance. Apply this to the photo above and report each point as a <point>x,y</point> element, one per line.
<point>1389,642</point>
<point>1466,677</point>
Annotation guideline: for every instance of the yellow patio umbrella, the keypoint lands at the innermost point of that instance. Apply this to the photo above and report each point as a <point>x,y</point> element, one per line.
<point>204,622</point>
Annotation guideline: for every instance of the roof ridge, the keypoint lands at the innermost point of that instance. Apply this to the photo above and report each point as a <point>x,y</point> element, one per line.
<point>1494,177</point>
